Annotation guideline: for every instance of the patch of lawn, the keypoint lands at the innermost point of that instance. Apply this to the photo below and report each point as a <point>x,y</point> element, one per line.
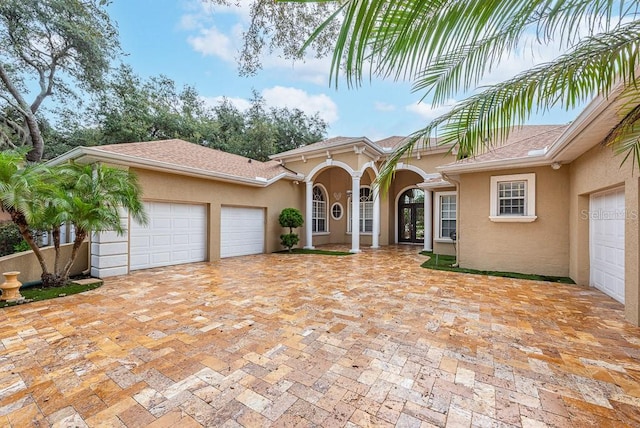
<point>33,294</point>
<point>444,262</point>
<point>322,252</point>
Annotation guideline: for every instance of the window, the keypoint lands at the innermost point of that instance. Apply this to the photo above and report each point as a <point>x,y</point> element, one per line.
<point>319,217</point>
<point>336,211</point>
<point>446,208</point>
<point>366,211</point>
<point>513,198</point>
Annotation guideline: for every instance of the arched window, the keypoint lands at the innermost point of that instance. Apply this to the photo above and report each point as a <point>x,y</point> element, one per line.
<point>319,218</point>
<point>366,211</point>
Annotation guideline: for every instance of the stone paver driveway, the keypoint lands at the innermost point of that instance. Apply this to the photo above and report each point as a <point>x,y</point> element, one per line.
<point>277,340</point>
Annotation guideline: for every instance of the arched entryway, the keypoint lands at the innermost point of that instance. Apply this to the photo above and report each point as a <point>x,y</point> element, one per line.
<point>411,227</point>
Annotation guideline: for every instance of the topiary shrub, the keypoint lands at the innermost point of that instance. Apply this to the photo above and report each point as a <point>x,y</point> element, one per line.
<point>291,218</point>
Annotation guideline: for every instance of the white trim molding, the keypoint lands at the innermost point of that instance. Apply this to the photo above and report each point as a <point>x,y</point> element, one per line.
<point>530,198</point>
<point>436,224</point>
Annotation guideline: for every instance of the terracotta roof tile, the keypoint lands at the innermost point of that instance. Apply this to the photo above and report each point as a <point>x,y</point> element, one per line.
<point>186,154</point>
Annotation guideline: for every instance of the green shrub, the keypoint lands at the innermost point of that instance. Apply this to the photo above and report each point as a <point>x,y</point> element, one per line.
<point>289,240</point>
<point>291,218</point>
<point>21,246</point>
<point>9,238</point>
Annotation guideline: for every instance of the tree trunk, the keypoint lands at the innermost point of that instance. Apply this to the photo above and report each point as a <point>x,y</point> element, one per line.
<point>18,218</point>
<point>55,234</point>
<point>80,236</point>
<point>35,155</point>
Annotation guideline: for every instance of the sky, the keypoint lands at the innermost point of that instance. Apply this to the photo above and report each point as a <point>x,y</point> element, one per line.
<point>196,44</point>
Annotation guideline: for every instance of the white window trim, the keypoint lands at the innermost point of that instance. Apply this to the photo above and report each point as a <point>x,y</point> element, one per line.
<point>530,203</point>
<point>326,208</point>
<point>349,201</point>
<point>341,211</point>
<point>436,223</point>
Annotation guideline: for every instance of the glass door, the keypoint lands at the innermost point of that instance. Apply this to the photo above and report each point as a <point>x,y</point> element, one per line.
<point>411,216</point>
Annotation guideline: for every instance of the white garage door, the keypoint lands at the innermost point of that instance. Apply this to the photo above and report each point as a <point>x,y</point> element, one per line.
<point>606,236</point>
<point>176,234</point>
<point>241,231</point>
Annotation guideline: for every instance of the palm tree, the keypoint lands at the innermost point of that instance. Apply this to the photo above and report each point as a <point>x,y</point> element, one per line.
<point>447,46</point>
<point>22,191</point>
<point>90,197</point>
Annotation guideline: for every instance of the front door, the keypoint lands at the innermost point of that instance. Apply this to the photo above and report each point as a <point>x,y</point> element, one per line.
<point>411,216</point>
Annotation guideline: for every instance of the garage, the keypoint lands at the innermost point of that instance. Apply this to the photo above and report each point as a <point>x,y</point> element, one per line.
<point>606,242</point>
<point>241,231</point>
<point>176,234</point>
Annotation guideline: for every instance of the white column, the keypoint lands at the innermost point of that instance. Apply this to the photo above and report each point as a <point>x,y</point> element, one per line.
<point>355,213</point>
<point>428,220</point>
<point>376,218</point>
<point>308,222</point>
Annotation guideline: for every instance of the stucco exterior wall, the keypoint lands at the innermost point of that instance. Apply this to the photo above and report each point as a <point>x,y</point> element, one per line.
<point>596,170</point>
<point>29,268</point>
<point>274,198</point>
<point>539,247</point>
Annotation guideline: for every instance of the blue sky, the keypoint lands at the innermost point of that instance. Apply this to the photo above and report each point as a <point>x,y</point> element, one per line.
<point>196,44</point>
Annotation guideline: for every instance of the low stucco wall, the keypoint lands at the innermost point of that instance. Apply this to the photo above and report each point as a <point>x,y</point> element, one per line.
<point>539,247</point>
<point>29,268</point>
<point>596,170</point>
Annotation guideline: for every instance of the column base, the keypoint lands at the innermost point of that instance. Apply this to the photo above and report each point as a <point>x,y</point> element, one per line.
<point>309,247</point>
<point>375,246</point>
<point>354,250</point>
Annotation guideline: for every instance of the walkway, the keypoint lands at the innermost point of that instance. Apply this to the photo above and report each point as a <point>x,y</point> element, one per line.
<point>276,340</point>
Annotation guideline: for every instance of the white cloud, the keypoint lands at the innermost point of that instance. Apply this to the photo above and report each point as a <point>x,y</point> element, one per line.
<point>429,111</point>
<point>211,42</point>
<point>202,12</point>
<point>280,96</point>
<point>211,37</point>
<point>241,104</point>
<point>382,106</point>
<point>312,70</point>
<point>189,22</point>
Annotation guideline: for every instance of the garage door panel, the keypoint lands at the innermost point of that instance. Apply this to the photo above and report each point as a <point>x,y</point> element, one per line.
<point>606,242</point>
<point>241,231</point>
<point>176,234</point>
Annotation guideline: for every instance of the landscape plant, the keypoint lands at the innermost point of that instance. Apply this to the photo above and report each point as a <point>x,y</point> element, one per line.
<point>449,48</point>
<point>89,197</point>
<point>291,218</point>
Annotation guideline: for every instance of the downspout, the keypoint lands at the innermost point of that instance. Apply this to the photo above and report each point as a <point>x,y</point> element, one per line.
<point>457,184</point>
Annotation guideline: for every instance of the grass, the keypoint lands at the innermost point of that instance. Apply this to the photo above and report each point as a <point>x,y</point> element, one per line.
<point>322,252</point>
<point>34,294</point>
<point>444,262</point>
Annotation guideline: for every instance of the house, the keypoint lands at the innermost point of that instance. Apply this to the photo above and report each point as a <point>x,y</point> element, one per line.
<point>550,200</point>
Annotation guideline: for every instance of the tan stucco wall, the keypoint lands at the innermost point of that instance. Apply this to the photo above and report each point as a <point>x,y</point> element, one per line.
<point>596,170</point>
<point>29,268</point>
<point>337,180</point>
<point>158,186</point>
<point>539,247</point>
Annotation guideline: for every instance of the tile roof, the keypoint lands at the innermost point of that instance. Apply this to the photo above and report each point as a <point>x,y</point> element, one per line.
<point>190,155</point>
<point>328,143</point>
<point>390,143</point>
<point>519,144</point>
